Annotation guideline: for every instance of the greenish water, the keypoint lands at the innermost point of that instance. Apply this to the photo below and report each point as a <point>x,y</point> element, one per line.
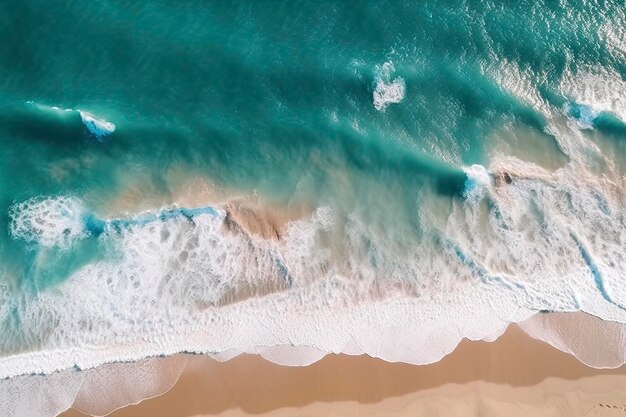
<point>280,99</point>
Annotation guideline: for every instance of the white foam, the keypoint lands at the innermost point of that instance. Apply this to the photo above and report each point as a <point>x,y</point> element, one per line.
<point>98,127</point>
<point>55,221</point>
<point>388,91</point>
<point>478,179</point>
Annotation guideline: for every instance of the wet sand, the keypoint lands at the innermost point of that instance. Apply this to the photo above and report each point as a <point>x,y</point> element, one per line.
<point>513,376</point>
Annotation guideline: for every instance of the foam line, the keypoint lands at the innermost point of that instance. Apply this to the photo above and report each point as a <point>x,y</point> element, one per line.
<point>595,271</point>
<point>99,226</point>
<point>483,274</point>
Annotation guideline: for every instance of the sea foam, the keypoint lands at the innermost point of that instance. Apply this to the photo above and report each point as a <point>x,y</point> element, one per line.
<point>478,179</point>
<point>389,89</point>
<point>48,222</point>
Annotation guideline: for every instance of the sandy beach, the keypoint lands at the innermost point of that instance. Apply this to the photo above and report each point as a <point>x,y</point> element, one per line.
<point>513,376</point>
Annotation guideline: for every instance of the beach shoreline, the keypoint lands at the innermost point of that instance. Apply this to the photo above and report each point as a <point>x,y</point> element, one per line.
<point>514,375</point>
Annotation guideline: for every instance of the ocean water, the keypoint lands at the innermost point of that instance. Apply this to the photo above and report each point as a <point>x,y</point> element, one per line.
<point>441,169</point>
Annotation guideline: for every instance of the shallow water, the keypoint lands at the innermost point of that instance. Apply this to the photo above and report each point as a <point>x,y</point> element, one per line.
<point>462,165</point>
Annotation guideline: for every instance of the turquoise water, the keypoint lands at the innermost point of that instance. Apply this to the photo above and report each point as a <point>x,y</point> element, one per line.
<point>375,109</point>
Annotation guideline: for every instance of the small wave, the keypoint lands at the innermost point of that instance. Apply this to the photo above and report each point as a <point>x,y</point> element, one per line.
<point>43,107</point>
<point>583,115</point>
<point>388,91</point>
<point>98,127</point>
<point>478,179</point>
<point>586,117</point>
<point>599,88</point>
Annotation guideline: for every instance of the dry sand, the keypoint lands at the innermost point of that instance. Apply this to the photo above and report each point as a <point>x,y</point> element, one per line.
<point>513,376</point>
